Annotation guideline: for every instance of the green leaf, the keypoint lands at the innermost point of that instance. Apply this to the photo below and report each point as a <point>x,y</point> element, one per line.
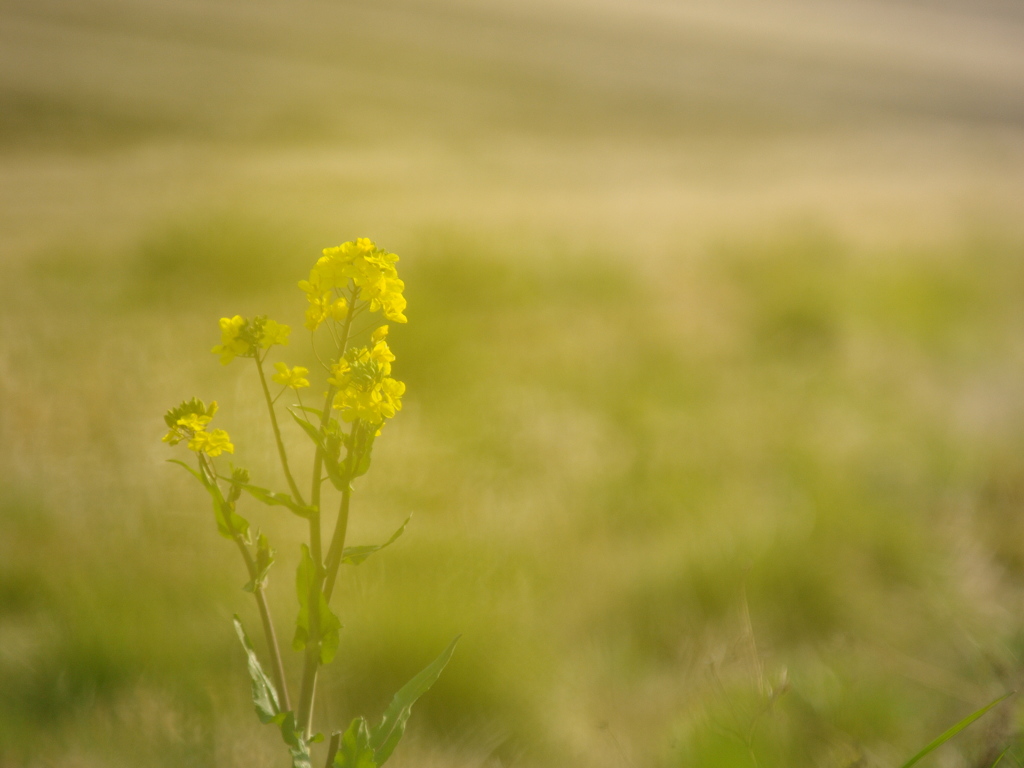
<point>298,747</point>
<point>330,625</point>
<point>362,464</point>
<point>309,409</point>
<point>330,450</point>
<point>357,555</point>
<point>354,750</point>
<point>335,473</point>
<point>264,559</point>
<point>228,522</point>
<point>310,429</point>
<point>239,475</point>
<point>385,737</point>
<point>946,736</point>
<point>191,471</point>
<point>275,499</point>
<point>264,695</point>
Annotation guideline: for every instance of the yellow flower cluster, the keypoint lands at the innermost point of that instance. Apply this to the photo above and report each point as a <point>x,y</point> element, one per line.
<point>366,390</point>
<point>291,377</point>
<point>372,271</point>
<point>188,422</point>
<point>240,337</point>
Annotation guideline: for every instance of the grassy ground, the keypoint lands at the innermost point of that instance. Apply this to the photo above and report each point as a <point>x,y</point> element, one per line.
<point>714,429</point>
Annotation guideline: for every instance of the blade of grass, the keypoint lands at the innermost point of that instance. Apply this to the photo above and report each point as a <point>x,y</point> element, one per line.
<point>938,742</point>
<point>1000,758</point>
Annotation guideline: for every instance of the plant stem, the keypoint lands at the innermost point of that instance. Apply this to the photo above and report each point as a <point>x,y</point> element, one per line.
<point>277,433</point>
<point>277,665</point>
<point>312,659</point>
<point>334,554</point>
<point>337,544</point>
<point>332,749</point>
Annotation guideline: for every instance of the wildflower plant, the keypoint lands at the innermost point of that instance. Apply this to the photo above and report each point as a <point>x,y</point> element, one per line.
<point>351,281</point>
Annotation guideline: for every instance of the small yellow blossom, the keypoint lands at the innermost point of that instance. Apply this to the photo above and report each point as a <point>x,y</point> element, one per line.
<point>340,373</point>
<point>191,416</point>
<point>291,377</point>
<point>194,422</point>
<point>338,309</point>
<point>383,356</point>
<point>211,443</point>
<point>244,338</point>
<point>231,345</point>
<point>391,396</point>
<point>274,333</point>
<point>380,334</point>
<point>188,422</point>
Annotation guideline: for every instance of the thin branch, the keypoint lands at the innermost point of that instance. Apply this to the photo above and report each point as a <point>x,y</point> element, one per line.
<point>337,549</point>
<point>277,433</point>
<point>277,665</point>
<point>312,659</point>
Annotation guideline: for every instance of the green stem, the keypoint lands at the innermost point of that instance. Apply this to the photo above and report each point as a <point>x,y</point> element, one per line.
<point>337,544</point>
<point>277,433</point>
<point>334,554</point>
<point>312,660</point>
<point>332,749</point>
<point>277,665</point>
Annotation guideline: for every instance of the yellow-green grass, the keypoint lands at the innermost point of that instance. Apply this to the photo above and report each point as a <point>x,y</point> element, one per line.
<point>713,438</point>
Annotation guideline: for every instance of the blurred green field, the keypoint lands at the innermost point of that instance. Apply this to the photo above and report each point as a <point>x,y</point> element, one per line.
<point>714,439</point>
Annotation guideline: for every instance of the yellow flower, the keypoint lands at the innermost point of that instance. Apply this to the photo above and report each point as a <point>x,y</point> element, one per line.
<point>391,397</point>
<point>194,422</point>
<point>338,309</point>
<point>191,416</point>
<point>291,377</point>
<point>340,374</point>
<point>316,313</point>
<point>274,333</point>
<point>373,404</point>
<point>188,422</point>
<point>231,344</point>
<point>211,443</point>
<point>243,338</point>
<point>371,270</point>
<point>383,356</point>
<point>380,334</point>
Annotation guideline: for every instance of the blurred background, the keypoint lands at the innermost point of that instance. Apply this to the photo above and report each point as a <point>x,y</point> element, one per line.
<point>714,438</point>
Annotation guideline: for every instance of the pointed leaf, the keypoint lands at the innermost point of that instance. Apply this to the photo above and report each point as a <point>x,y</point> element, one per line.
<point>947,735</point>
<point>264,559</point>
<point>328,452</point>
<point>330,632</point>
<point>275,499</point>
<point>228,522</point>
<point>362,462</point>
<point>357,555</point>
<point>335,472</point>
<point>298,746</point>
<point>330,625</point>
<point>385,737</point>
<point>264,696</point>
<point>189,469</point>
<point>310,429</point>
<point>354,750</point>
